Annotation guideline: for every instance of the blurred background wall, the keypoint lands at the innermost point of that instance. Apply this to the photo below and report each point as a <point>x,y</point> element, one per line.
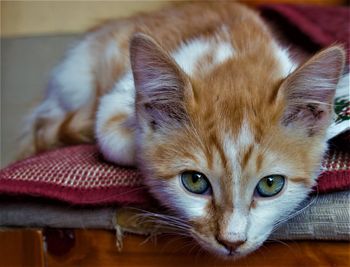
<point>21,18</point>
<point>34,38</point>
<point>28,17</point>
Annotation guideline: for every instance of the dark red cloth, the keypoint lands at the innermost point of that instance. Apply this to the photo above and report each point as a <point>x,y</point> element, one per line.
<point>323,26</point>
<point>75,174</point>
<point>336,172</point>
<point>78,175</point>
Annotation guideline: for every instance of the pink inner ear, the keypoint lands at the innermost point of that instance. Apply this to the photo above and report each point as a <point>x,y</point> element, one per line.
<point>160,83</point>
<point>309,91</point>
<point>311,117</point>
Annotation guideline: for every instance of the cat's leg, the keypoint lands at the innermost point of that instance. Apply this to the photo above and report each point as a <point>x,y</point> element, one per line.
<point>115,123</point>
<point>66,113</point>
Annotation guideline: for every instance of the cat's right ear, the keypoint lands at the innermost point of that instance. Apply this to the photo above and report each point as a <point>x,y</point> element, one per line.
<point>309,91</point>
<point>162,88</point>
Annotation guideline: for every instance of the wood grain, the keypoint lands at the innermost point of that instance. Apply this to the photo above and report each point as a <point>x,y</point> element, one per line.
<point>21,248</point>
<point>98,248</point>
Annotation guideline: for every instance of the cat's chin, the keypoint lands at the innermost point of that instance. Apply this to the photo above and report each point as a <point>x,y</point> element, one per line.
<point>240,253</point>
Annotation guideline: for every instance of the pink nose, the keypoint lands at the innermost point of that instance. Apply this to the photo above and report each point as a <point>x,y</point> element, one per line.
<point>231,246</point>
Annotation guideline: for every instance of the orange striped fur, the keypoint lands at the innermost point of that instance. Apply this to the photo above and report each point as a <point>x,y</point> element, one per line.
<point>201,87</point>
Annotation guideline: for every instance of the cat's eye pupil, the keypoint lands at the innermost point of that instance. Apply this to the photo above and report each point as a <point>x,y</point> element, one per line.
<point>269,181</point>
<point>270,186</point>
<point>195,182</point>
<point>195,177</point>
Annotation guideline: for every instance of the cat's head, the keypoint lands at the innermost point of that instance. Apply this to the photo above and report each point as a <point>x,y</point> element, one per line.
<point>232,153</point>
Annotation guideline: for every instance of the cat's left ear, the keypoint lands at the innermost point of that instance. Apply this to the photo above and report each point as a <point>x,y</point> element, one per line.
<point>162,88</point>
<point>309,91</point>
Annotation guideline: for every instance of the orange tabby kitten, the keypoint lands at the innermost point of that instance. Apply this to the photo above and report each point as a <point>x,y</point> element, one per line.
<point>228,131</point>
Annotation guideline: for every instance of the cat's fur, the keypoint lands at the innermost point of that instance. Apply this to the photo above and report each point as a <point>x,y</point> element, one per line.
<point>215,94</point>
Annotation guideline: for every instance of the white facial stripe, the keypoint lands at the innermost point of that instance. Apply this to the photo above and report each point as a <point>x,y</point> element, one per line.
<point>236,226</point>
<point>245,136</point>
<point>232,147</point>
<point>231,151</point>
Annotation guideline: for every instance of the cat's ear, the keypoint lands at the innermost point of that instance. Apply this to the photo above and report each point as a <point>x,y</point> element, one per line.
<point>161,86</point>
<point>309,91</point>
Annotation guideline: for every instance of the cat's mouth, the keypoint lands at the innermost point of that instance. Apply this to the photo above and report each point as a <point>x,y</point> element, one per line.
<point>213,246</point>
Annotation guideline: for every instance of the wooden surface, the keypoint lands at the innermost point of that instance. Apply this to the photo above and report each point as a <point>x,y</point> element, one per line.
<point>98,248</point>
<point>21,248</point>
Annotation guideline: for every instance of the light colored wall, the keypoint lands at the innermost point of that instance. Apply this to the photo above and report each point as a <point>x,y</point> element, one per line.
<point>29,17</point>
<point>34,37</point>
<point>26,63</point>
<point>23,18</point>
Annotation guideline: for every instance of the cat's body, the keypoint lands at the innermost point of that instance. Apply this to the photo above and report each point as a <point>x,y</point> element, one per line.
<point>200,94</point>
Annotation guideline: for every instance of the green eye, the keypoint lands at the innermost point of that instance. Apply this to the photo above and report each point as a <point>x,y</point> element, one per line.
<point>270,186</point>
<point>195,182</point>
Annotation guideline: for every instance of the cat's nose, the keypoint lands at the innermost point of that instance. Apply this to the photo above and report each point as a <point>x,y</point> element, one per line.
<point>231,246</point>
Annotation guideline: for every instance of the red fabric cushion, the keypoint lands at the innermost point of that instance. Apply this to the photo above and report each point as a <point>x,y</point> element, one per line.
<point>335,174</point>
<point>75,174</point>
<point>79,175</point>
<point>322,25</point>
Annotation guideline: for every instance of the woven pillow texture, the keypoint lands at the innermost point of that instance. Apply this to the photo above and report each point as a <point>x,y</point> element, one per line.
<point>79,175</point>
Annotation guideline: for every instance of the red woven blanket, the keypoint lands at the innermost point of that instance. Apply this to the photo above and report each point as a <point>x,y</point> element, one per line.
<point>310,26</point>
<point>79,175</point>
